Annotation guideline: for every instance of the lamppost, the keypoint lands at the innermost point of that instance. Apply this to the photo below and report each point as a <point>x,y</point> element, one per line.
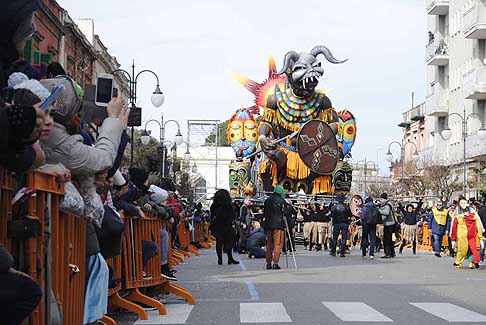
<point>365,163</point>
<point>389,156</point>
<point>187,154</point>
<point>447,133</point>
<point>157,97</point>
<point>145,138</point>
<point>194,166</point>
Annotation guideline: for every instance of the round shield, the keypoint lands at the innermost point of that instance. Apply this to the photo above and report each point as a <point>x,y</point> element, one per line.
<point>355,205</point>
<point>317,147</point>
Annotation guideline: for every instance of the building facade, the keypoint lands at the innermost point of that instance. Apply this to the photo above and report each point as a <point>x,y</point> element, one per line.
<point>45,45</point>
<point>365,178</point>
<point>456,78</point>
<point>105,62</point>
<point>73,44</point>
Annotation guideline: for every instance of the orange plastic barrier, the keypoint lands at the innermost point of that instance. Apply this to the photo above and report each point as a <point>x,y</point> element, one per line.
<point>66,236</point>
<point>199,236</point>
<point>137,230</point>
<point>185,240</point>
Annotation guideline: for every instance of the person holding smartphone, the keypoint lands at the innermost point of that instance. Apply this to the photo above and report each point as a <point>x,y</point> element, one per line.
<point>66,147</point>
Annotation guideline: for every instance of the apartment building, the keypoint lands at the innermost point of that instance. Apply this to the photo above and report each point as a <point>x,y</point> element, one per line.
<point>456,79</point>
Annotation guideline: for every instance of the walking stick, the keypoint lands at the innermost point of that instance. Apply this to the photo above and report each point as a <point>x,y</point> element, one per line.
<point>290,240</point>
<point>286,250</point>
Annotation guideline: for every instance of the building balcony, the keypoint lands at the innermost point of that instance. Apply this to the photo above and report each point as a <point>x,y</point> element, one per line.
<point>437,53</point>
<point>437,7</point>
<point>438,104</point>
<point>474,84</point>
<point>474,20</point>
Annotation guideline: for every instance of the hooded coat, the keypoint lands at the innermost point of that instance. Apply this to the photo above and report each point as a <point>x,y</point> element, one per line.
<point>80,159</point>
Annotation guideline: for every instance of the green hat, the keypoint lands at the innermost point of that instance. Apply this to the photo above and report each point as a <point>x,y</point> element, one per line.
<point>279,190</point>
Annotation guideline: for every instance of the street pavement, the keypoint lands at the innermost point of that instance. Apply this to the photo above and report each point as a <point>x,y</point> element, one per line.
<point>410,289</point>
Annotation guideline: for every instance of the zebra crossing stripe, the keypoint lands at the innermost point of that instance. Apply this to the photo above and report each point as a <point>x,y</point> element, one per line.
<point>176,314</point>
<point>355,312</point>
<point>451,313</point>
<point>263,313</point>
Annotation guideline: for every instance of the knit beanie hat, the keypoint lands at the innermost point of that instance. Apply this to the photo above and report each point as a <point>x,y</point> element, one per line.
<point>119,180</point>
<point>18,80</point>
<point>384,196</point>
<point>138,176</point>
<point>279,190</point>
<point>157,195</point>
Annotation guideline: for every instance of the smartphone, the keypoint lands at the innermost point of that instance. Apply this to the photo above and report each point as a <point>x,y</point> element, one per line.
<point>52,97</point>
<point>104,89</point>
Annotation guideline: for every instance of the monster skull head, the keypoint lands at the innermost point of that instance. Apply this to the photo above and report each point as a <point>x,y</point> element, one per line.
<point>304,70</point>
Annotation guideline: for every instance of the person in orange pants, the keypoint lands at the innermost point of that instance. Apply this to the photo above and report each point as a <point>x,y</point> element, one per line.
<point>466,230</point>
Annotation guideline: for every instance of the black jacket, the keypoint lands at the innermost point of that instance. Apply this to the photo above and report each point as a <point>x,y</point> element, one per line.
<point>307,215</point>
<point>274,209</point>
<point>340,213</point>
<point>410,218</point>
<point>324,215</point>
<point>222,221</point>
<point>256,239</point>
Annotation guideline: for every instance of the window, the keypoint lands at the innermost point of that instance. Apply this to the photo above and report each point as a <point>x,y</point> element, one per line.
<point>45,58</point>
<point>37,57</point>
<point>27,54</point>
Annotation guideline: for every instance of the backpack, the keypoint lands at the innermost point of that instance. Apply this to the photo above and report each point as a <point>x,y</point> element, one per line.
<point>373,215</point>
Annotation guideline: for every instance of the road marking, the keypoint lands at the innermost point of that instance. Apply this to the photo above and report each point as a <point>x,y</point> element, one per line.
<point>251,287</point>
<point>252,290</point>
<point>451,313</point>
<point>355,312</point>
<point>263,313</point>
<point>242,265</point>
<point>176,314</point>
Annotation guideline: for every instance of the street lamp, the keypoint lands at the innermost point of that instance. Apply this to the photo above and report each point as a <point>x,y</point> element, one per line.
<point>187,154</point>
<point>415,156</point>
<point>178,139</point>
<point>157,97</point>
<point>373,172</point>
<point>194,166</point>
<point>447,133</point>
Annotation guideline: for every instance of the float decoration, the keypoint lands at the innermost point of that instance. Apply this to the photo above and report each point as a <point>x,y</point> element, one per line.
<point>286,101</point>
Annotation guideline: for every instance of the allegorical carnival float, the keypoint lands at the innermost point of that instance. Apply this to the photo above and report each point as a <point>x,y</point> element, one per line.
<point>292,136</point>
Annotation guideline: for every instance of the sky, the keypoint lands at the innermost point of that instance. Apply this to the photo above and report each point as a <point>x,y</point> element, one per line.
<point>194,46</point>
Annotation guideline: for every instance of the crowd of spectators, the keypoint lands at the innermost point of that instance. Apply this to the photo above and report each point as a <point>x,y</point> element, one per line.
<point>87,161</point>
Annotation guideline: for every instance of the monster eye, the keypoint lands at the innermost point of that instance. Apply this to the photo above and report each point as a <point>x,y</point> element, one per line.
<point>317,64</point>
<point>250,126</point>
<point>350,130</point>
<point>299,68</point>
<point>235,126</point>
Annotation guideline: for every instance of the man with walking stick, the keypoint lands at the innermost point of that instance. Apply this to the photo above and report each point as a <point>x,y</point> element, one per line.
<point>274,213</point>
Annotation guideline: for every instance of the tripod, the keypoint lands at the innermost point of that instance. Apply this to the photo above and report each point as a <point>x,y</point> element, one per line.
<point>291,244</point>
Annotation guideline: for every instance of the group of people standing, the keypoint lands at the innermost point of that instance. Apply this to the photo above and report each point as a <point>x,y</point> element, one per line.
<point>382,225</point>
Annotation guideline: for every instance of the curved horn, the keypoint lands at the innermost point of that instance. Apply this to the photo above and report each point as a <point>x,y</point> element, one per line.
<point>327,54</point>
<point>290,56</point>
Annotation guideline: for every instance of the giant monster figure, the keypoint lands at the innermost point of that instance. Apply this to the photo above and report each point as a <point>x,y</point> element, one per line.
<point>289,99</point>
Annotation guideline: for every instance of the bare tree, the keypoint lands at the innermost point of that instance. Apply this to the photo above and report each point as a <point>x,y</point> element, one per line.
<point>376,189</point>
<point>478,178</point>
<point>441,181</point>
